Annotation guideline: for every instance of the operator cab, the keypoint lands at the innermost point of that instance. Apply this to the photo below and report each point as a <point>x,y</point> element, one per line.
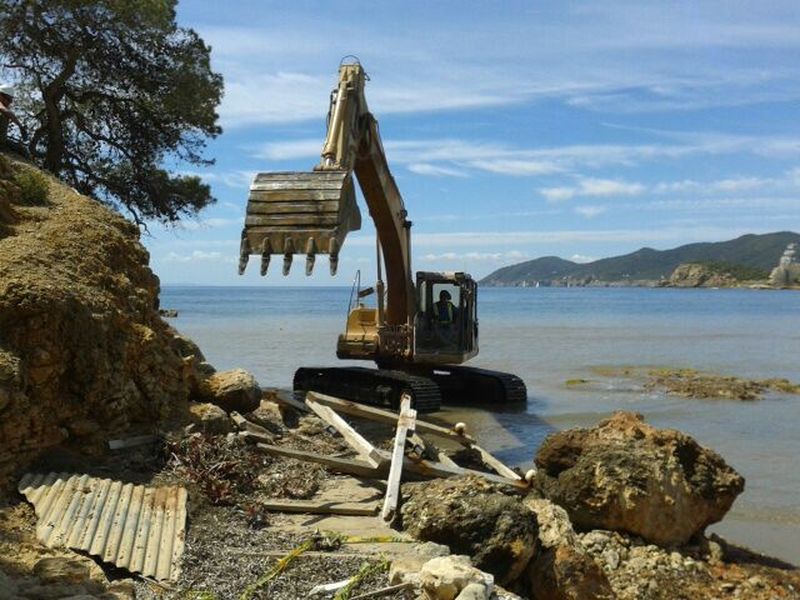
<point>446,323</point>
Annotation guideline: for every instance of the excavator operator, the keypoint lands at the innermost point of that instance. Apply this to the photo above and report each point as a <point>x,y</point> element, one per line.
<point>444,311</point>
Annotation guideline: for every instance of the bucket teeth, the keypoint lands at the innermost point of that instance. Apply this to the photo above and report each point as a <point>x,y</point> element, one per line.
<point>311,255</point>
<point>266,251</point>
<point>244,253</point>
<point>287,264</point>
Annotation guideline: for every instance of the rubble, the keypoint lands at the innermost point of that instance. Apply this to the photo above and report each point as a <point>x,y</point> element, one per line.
<point>626,475</point>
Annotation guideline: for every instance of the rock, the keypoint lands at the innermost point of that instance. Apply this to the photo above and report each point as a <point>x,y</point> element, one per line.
<point>82,342</point>
<point>8,589</point>
<point>406,568</point>
<point>561,568</point>
<point>209,418</point>
<point>445,577</point>
<point>168,313</point>
<point>472,517</point>
<point>693,275</point>
<point>625,475</point>
<point>234,390</point>
<point>61,570</point>
<point>474,591</point>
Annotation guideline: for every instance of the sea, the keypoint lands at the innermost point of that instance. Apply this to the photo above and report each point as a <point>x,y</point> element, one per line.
<point>549,336</point>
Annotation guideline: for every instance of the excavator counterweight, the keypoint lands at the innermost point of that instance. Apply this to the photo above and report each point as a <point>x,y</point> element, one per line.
<point>299,213</point>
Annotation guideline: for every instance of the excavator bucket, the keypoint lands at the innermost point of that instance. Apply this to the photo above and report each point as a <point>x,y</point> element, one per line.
<point>299,213</point>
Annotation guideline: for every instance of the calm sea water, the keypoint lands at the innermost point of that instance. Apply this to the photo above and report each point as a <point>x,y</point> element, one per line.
<point>550,335</point>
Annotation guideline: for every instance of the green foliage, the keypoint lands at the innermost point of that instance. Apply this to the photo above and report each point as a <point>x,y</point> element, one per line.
<point>33,187</point>
<point>737,271</point>
<point>112,91</point>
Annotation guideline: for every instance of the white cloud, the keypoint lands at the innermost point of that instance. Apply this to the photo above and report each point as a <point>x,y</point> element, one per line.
<point>581,258</point>
<point>590,211</point>
<point>198,256</point>
<point>557,194</point>
<point>492,257</point>
<point>516,166</point>
<point>592,187</point>
<point>435,171</point>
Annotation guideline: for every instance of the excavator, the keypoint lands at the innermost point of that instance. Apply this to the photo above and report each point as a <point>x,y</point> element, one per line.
<point>418,333</point>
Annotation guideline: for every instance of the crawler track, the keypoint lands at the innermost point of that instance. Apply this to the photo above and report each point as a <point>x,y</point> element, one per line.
<point>379,387</point>
<point>428,390</point>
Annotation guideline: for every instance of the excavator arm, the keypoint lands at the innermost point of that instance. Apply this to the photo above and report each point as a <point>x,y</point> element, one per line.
<point>311,213</point>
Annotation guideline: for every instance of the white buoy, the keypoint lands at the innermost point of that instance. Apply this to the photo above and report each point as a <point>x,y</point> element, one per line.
<point>460,428</point>
<point>530,475</point>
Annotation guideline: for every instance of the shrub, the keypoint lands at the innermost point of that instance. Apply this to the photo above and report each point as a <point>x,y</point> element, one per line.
<point>33,187</point>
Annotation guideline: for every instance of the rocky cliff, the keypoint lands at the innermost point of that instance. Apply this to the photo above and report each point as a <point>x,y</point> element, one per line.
<point>84,354</point>
<point>693,275</point>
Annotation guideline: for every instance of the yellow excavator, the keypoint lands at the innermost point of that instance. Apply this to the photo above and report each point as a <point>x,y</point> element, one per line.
<point>417,333</point>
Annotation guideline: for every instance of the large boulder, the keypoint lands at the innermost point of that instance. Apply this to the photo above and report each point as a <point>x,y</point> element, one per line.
<point>475,518</point>
<point>625,475</point>
<point>562,569</point>
<point>234,390</point>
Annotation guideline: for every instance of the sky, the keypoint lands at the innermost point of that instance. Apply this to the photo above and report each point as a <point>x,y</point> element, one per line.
<point>513,129</point>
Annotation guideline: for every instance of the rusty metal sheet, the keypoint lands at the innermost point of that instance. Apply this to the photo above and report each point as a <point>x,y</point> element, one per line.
<point>139,528</point>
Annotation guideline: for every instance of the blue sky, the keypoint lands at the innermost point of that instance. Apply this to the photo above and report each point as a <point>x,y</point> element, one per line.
<point>514,129</point>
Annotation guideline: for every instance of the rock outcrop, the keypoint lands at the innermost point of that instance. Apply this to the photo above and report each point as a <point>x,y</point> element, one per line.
<point>474,518</point>
<point>84,355</point>
<point>625,475</point>
<point>694,275</point>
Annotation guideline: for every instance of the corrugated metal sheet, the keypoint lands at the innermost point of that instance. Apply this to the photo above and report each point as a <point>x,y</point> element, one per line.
<point>138,528</point>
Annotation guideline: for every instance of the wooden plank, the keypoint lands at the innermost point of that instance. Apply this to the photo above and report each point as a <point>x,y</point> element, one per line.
<point>321,507</point>
<point>429,468</point>
<point>405,422</point>
<point>324,220</point>
<point>494,463</point>
<point>386,416</point>
<point>250,427</point>
<point>441,457</point>
<point>288,401</point>
<point>360,468</point>
<point>354,439</point>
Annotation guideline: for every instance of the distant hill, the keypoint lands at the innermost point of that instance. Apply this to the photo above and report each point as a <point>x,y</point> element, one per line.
<point>759,252</point>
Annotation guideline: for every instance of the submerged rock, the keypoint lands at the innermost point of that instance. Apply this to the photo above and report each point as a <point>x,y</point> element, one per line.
<point>475,518</point>
<point>625,475</point>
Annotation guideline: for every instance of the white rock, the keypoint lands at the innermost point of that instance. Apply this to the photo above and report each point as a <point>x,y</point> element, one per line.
<point>443,578</point>
<point>474,591</point>
<point>406,568</point>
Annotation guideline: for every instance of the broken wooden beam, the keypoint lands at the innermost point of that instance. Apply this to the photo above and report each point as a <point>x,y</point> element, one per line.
<point>429,468</point>
<point>361,468</point>
<point>320,507</point>
<point>354,439</point>
<point>495,464</point>
<point>289,401</point>
<point>245,425</point>
<point>405,422</point>
<point>421,447</point>
<point>386,416</point>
